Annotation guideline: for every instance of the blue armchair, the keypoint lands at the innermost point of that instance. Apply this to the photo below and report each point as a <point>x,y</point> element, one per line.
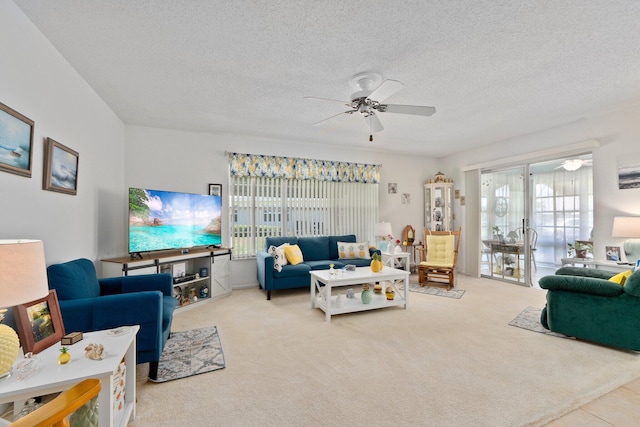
<point>91,304</point>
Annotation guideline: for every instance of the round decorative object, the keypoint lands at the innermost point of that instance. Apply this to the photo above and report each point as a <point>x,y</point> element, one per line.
<point>350,293</point>
<point>9,348</point>
<point>501,206</point>
<point>390,293</point>
<point>376,265</point>
<point>366,294</point>
<point>64,357</point>
<point>204,291</point>
<point>377,288</point>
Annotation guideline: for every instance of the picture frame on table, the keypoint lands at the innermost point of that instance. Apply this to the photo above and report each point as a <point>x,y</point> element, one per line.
<point>16,142</point>
<point>215,190</point>
<point>612,253</point>
<point>39,323</point>
<point>60,168</point>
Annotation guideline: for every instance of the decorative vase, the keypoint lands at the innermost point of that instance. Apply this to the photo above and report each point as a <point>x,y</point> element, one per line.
<point>376,265</point>
<point>9,347</point>
<point>366,294</point>
<point>398,249</point>
<point>390,248</point>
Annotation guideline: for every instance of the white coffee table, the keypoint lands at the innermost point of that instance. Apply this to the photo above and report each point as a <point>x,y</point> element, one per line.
<point>53,378</point>
<point>322,298</point>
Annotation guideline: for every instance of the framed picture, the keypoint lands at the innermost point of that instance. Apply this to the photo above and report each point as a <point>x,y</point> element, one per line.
<point>392,187</point>
<point>39,323</point>
<point>60,168</point>
<point>613,253</point>
<point>215,189</point>
<point>406,198</point>
<point>16,142</point>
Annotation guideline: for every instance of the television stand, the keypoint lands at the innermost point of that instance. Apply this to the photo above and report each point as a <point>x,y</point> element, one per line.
<point>190,287</point>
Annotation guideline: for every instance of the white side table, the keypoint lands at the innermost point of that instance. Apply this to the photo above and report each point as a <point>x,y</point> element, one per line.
<point>52,378</point>
<point>396,259</point>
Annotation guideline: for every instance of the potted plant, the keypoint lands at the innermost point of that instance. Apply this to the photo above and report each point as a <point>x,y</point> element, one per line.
<point>580,249</point>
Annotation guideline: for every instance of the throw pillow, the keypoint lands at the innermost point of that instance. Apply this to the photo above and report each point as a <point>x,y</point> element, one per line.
<point>293,254</point>
<point>620,278</point>
<point>353,250</point>
<point>279,258</point>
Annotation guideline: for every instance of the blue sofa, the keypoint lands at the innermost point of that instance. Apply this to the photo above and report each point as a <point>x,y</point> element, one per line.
<point>318,252</point>
<point>91,304</point>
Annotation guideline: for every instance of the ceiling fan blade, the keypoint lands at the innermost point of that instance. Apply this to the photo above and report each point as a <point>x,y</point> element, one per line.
<point>417,110</point>
<point>321,122</point>
<point>385,90</point>
<point>348,104</point>
<point>374,123</point>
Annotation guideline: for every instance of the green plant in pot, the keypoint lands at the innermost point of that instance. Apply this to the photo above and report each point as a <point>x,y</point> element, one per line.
<point>579,249</point>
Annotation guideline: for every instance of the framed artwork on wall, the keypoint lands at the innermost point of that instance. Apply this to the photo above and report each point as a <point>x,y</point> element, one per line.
<point>392,188</point>
<point>39,323</point>
<point>215,189</point>
<point>16,142</point>
<point>60,168</point>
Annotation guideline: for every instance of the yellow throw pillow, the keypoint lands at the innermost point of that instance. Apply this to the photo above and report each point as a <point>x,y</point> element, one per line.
<point>620,278</point>
<point>293,254</point>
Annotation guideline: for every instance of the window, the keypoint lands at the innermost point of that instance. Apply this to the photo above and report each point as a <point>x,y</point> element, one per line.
<point>262,207</point>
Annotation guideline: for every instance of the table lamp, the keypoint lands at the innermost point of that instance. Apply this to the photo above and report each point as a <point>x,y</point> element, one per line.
<point>628,226</point>
<point>383,229</point>
<point>23,278</point>
<point>513,236</point>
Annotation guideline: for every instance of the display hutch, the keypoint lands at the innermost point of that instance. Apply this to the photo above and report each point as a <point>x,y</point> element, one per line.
<point>438,203</point>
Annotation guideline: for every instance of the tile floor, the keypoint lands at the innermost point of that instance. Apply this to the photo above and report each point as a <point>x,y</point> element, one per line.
<point>619,408</point>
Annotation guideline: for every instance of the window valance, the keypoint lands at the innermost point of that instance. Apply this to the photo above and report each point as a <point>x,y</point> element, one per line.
<point>297,168</point>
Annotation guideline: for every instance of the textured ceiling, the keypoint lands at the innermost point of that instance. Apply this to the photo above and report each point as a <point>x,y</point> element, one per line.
<point>493,69</point>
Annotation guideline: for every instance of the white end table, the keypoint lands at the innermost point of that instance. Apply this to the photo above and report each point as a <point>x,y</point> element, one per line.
<point>53,378</point>
<point>396,258</point>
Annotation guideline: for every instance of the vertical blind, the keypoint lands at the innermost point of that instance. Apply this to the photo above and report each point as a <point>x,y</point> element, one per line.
<point>262,207</point>
<point>287,196</point>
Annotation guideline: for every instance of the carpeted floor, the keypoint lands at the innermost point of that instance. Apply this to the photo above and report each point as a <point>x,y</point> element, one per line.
<point>441,362</point>
<point>191,352</point>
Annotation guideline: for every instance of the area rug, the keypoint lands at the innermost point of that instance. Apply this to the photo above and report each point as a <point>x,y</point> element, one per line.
<point>434,290</point>
<point>529,319</point>
<point>191,352</point>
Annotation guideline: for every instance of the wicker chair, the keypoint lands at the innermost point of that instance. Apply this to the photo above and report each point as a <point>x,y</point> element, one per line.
<point>438,259</point>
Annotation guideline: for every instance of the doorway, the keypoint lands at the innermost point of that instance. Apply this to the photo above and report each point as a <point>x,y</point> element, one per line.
<point>530,213</point>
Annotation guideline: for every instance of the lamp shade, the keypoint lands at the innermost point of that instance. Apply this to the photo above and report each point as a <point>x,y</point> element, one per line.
<point>626,226</point>
<point>383,229</point>
<point>23,272</point>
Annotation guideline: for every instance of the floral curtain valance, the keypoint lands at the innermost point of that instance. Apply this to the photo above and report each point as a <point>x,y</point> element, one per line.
<point>295,168</point>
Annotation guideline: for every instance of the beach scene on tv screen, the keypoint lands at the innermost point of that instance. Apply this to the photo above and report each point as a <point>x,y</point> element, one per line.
<point>168,220</point>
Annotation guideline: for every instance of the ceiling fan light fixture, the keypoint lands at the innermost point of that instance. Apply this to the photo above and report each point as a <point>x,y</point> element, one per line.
<point>572,165</point>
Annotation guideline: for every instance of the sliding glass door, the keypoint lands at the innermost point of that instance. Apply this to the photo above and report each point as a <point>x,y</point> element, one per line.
<point>505,233</point>
<point>530,213</point>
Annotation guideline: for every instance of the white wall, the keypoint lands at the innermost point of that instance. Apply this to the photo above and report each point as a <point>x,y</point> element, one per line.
<point>36,81</point>
<point>619,136</point>
<point>186,161</point>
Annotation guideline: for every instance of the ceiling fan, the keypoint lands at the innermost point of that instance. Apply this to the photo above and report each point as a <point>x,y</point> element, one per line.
<point>369,102</point>
<point>574,164</point>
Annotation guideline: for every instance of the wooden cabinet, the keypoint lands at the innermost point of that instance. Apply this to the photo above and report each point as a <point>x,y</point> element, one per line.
<point>199,275</point>
<point>438,206</point>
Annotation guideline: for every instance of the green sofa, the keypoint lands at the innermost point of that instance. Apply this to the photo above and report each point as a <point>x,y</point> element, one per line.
<point>582,303</point>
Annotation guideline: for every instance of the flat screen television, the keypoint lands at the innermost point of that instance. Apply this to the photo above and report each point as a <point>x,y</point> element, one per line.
<point>163,220</point>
